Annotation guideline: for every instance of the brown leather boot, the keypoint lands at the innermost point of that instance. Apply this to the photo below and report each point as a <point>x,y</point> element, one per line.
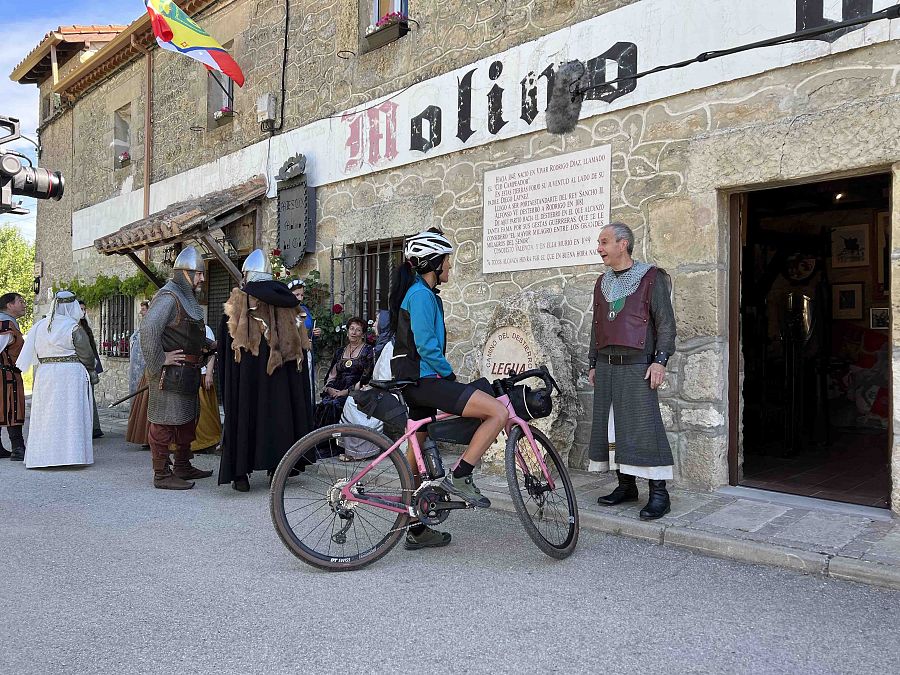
<point>184,469</point>
<point>164,479</point>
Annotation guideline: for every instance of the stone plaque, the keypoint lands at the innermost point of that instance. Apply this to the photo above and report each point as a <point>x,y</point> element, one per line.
<point>546,213</point>
<point>507,347</point>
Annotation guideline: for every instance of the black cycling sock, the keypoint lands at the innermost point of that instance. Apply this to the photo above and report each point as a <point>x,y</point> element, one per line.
<point>417,530</point>
<point>463,469</point>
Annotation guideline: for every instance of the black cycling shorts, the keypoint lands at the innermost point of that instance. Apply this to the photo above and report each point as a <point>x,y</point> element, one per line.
<point>433,393</point>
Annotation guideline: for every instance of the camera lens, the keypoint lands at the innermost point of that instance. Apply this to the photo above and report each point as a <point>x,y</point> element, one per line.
<point>39,183</point>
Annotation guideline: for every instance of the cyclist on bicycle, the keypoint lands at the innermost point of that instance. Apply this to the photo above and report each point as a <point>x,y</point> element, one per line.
<point>417,318</point>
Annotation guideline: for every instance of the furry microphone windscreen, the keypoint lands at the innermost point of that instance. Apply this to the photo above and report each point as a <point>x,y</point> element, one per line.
<point>564,109</point>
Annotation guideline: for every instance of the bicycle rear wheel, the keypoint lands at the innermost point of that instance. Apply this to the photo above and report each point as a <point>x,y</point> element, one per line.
<point>315,521</point>
<point>550,516</point>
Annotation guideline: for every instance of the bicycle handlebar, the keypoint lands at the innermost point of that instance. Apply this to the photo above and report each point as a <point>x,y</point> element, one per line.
<point>514,378</point>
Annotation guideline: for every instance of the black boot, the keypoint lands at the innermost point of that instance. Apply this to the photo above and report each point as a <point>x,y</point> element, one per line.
<point>17,441</point>
<point>625,492</point>
<point>4,453</point>
<point>659,504</point>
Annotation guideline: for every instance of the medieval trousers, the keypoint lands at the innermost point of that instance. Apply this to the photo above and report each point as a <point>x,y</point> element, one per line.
<point>628,433</point>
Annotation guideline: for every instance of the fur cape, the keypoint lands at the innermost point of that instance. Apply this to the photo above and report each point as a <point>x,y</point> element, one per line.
<point>250,320</point>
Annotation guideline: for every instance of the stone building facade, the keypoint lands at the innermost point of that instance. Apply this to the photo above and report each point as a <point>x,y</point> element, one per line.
<point>678,167</point>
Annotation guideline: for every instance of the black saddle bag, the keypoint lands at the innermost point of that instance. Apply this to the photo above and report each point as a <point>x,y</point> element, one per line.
<point>384,406</point>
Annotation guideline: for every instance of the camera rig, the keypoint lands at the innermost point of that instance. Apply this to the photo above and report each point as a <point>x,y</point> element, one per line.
<point>16,179</point>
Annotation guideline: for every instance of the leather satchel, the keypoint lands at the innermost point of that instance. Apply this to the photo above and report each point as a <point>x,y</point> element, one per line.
<point>183,380</point>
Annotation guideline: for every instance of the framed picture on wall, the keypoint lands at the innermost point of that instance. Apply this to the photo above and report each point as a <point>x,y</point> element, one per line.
<point>850,246</point>
<point>880,318</point>
<point>883,262</point>
<point>847,301</point>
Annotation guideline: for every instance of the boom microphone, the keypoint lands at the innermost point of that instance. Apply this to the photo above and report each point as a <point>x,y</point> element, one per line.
<point>564,107</point>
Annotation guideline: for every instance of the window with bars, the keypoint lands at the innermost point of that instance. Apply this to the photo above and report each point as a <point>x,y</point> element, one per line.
<point>361,275</point>
<point>116,325</point>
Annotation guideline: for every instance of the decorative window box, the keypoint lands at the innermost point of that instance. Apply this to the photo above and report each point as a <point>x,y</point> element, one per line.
<point>386,34</point>
<point>122,163</point>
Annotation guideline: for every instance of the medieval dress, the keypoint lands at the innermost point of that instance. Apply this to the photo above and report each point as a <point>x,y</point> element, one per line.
<point>209,425</point>
<point>137,380</point>
<point>12,389</point>
<point>633,324</point>
<point>62,402</point>
<point>263,379</point>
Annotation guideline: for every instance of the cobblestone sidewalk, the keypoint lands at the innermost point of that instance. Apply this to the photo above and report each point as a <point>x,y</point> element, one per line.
<point>824,538</point>
<point>827,539</point>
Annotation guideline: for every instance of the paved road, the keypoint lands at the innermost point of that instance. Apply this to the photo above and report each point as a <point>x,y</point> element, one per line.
<point>103,574</point>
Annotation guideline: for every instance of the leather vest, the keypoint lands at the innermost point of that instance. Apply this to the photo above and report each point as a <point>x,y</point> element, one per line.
<point>629,328</point>
<point>184,332</point>
<point>189,335</point>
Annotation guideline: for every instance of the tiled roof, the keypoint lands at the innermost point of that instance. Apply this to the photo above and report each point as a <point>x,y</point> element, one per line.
<point>36,65</point>
<point>180,220</point>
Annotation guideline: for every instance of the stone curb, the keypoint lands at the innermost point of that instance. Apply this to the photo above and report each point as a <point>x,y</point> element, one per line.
<point>864,572</point>
<point>723,546</point>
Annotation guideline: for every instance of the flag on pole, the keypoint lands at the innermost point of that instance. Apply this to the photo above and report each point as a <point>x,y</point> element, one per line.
<point>176,32</point>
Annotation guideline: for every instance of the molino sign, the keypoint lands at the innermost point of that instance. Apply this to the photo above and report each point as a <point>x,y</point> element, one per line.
<point>505,95</point>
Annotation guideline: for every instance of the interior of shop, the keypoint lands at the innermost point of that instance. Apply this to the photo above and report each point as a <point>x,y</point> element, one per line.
<point>816,341</point>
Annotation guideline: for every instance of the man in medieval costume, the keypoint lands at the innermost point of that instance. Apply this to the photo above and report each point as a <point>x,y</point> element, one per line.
<point>263,375</point>
<point>174,344</point>
<point>12,390</point>
<point>62,401</point>
<point>632,339</point>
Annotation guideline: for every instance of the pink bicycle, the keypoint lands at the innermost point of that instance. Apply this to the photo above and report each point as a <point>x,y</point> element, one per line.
<point>345,515</point>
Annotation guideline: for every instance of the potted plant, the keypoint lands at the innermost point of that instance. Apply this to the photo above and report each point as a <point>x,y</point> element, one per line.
<point>223,113</point>
<point>123,159</point>
<point>392,26</point>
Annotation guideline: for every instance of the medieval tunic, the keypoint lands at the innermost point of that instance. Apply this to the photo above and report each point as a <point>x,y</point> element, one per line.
<point>12,390</point>
<point>628,432</point>
<point>174,321</point>
<point>62,402</point>
<point>263,379</point>
<point>137,416</point>
<point>209,426</point>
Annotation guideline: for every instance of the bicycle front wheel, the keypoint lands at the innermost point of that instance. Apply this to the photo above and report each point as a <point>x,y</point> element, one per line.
<point>314,518</point>
<point>549,514</point>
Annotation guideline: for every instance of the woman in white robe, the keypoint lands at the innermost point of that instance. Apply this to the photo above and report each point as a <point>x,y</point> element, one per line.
<point>62,402</point>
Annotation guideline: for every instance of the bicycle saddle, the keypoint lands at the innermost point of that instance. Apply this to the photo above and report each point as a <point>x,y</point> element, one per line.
<point>390,385</point>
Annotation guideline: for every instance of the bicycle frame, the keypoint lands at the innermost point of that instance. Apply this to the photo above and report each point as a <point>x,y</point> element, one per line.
<point>412,426</point>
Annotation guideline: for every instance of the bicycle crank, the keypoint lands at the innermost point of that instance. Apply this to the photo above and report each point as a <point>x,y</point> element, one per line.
<point>433,505</point>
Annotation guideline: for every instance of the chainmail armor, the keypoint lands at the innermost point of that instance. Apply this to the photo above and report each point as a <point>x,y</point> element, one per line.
<point>615,287</point>
<point>167,407</point>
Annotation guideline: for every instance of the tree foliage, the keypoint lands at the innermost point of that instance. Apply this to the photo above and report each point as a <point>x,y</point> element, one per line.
<point>17,269</point>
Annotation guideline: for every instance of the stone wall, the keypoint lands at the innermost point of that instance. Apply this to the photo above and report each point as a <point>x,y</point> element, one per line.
<point>674,164</point>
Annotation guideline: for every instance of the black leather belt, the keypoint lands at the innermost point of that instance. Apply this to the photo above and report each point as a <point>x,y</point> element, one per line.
<point>624,359</point>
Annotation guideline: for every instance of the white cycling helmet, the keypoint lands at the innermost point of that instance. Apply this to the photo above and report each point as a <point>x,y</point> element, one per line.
<point>426,251</point>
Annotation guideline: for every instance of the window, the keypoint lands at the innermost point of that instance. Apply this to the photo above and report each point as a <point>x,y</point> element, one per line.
<point>381,23</point>
<point>122,137</point>
<point>361,275</point>
<point>219,96</point>
<point>116,325</point>
<point>382,7</point>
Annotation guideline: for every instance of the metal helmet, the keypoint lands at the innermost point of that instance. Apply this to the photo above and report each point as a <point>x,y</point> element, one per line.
<point>257,267</point>
<point>191,260</point>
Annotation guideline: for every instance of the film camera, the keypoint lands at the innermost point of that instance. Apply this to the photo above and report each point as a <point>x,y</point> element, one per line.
<point>16,179</point>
